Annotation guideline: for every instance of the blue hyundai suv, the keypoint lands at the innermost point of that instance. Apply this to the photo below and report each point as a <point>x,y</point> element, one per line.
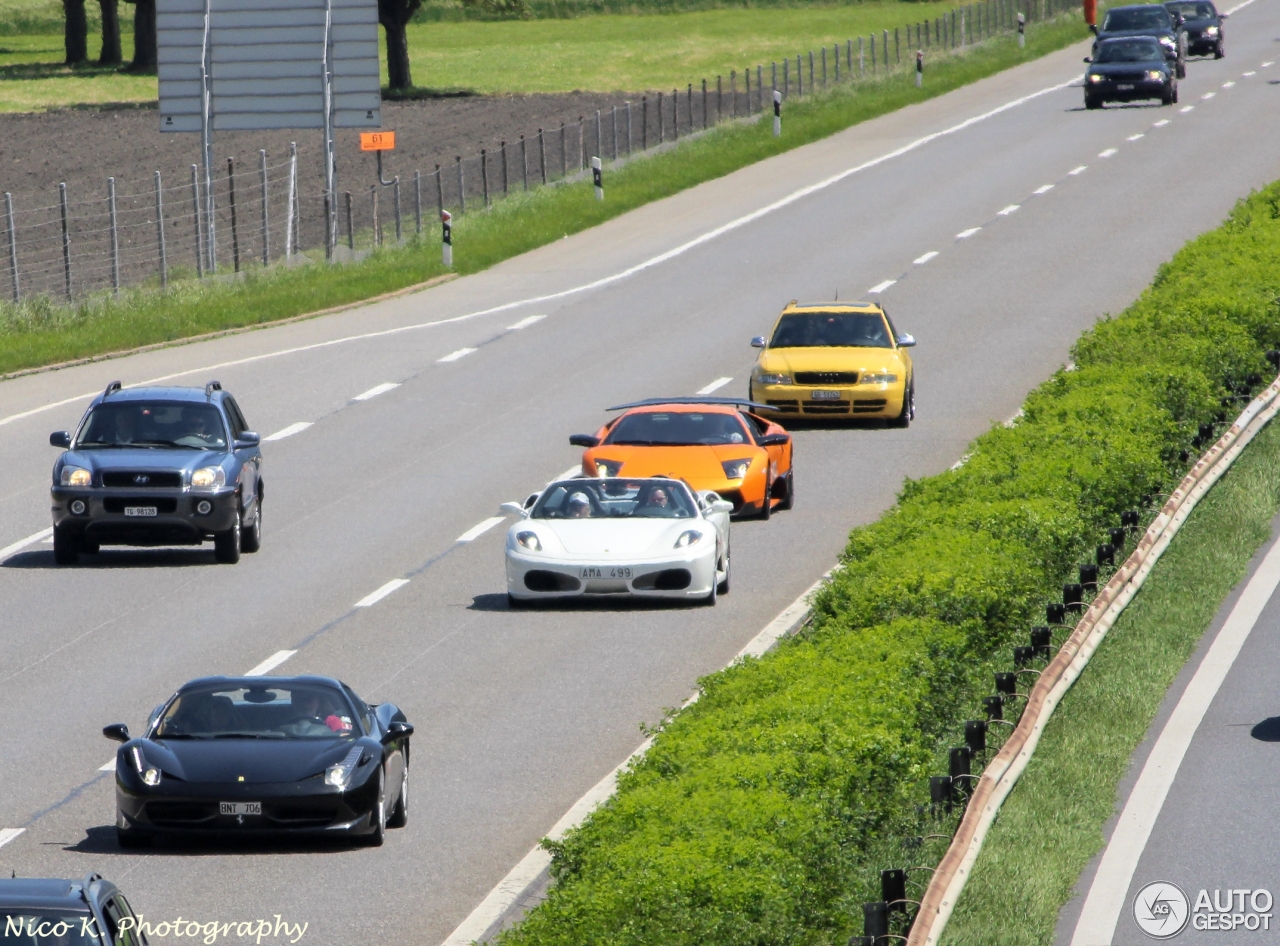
<point>158,466</point>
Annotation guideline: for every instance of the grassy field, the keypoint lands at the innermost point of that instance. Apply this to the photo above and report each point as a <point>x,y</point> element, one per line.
<point>604,53</point>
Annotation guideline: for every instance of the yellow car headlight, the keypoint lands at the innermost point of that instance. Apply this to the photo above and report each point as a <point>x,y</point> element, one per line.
<point>873,378</point>
<point>608,467</point>
<point>76,476</point>
<point>766,377</point>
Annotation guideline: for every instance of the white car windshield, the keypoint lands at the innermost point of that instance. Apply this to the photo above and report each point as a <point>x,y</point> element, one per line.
<point>153,424</point>
<point>615,499</point>
<point>275,712</point>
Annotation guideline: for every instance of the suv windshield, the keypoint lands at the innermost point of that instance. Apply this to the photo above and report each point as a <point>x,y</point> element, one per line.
<point>1152,18</point>
<point>614,499</point>
<point>1192,11</point>
<point>831,329</point>
<point>274,712</point>
<point>23,928</point>
<point>1129,50</point>
<point>154,424</point>
<point>677,428</point>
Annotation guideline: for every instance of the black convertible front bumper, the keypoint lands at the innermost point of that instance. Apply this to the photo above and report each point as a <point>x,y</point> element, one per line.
<point>177,521</point>
<point>1127,91</point>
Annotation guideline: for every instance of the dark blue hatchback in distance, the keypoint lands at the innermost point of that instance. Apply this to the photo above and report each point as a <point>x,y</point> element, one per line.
<point>158,466</point>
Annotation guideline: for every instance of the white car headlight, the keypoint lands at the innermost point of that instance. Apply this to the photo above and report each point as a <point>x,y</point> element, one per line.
<point>209,477</point>
<point>687,538</point>
<point>76,476</point>
<point>150,774</point>
<point>1095,77</point>
<point>735,469</point>
<point>529,540</point>
<point>1155,75</point>
<point>1167,41</point>
<point>608,467</point>
<point>339,775</point>
<point>872,378</point>
<point>765,377</point>
<point>1210,31</point>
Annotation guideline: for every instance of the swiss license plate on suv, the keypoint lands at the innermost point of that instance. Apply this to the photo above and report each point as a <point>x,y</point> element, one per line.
<point>139,510</point>
<point>825,395</point>
<point>590,572</point>
<point>240,808</point>
<point>1125,87</point>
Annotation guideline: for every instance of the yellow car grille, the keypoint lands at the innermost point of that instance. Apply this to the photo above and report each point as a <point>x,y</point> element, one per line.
<point>826,377</point>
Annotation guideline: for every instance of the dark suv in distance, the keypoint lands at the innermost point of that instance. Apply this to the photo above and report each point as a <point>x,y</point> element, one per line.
<point>1202,23</point>
<point>158,466</point>
<point>1127,70</point>
<point>47,912</point>
<point>1147,19</point>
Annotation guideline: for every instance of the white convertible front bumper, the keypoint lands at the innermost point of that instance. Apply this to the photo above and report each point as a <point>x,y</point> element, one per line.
<point>678,576</point>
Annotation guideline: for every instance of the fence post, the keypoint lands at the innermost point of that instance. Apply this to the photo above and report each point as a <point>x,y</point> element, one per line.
<point>115,236</point>
<point>235,232</point>
<point>582,142</point>
<point>542,155</point>
<point>733,93</point>
<point>644,123</point>
<point>502,150</point>
<point>462,194</point>
<point>266,230</point>
<point>377,220</point>
<point>351,230</point>
<point>439,191</point>
<point>13,247</point>
<point>704,103</point>
<point>799,76</point>
<point>564,154</point>
<point>824,67</point>
<point>873,53</point>
<point>786,78</point>
<point>615,132</point>
<point>848,52</point>
<point>675,115</point>
<point>824,78</point>
<point>417,201</point>
<point>862,61</point>
<point>885,50</point>
<point>524,163</point>
<point>164,256</point>
<point>290,235</point>
<point>195,216</point>
<point>484,175</point>
<point>662,131</point>
<point>773,83</point>
<point>760,87</point>
<point>628,128</point>
<point>719,99</point>
<point>897,48</point>
<point>66,236</point>
<point>395,192</point>
<point>330,222</point>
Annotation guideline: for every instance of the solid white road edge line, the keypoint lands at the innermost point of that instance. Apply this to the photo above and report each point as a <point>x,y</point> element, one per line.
<point>8,834</point>
<point>455,355</point>
<point>525,322</point>
<point>881,286</point>
<point>715,385</point>
<point>630,271</point>
<point>921,260</point>
<point>371,599</point>
<point>289,431</point>
<point>275,660</point>
<point>478,530</point>
<point>1110,887</point>
<point>512,888</point>
<point>374,391</point>
<point>23,543</point>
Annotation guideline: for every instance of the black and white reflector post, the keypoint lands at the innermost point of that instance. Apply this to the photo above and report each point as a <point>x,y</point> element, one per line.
<point>1022,30</point>
<point>777,113</point>
<point>446,239</point>
<point>597,177</point>
<point>919,68</point>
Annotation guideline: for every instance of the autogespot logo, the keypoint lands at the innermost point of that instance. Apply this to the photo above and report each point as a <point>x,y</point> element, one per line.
<point>1161,909</point>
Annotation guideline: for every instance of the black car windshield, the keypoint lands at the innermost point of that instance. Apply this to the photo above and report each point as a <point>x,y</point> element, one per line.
<point>678,428</point>
<point>1129,50</point>
<point>153,424</point>
<point>305,711</point>
<point>831,329</point>
<point>43,928</point>
<point>1149,18</point>
<point>615,499</point>
<point>1193,11</point>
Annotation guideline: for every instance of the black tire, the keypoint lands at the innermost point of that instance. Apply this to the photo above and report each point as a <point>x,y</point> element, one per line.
<point>1220,49</point>
<point>723,587</point>
<point>132,840</point>
<point>766,508</point>
<point>1091,103</point>
<point>789,494</point>
<point>1167,98</point>
<point>1175,94</point>
<point>251,538</point>
<point>89,548</point>
<point>227,545</point>
<point>66,547</point>
<point>400,813</point>
<point>908,412</point>
<point>1181,71</point>
<point>379,833</point>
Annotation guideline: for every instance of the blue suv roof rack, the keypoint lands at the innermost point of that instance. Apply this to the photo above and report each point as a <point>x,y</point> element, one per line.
<point>112,388</point>
<point>211,387</point>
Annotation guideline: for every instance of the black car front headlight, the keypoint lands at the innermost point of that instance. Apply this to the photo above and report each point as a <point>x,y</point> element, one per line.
<point>339,775</point>
<point>735,469</point>
<point>149,773</point>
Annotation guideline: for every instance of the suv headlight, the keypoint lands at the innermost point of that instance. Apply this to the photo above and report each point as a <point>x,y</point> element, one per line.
<point>735,469</point>
<point>687,538</point>
<point>1210,31</point>
<point>528,540</point>
<point>869,378</point>
<point>1095,77</point>
<point>339,775</point>
<point>209,477</point>
<point>150,774</point>
<point>1155,75</point>
<point>1167,41</point>
<point>779,377</point>
<point>76,476</point>
<point>608,467</point>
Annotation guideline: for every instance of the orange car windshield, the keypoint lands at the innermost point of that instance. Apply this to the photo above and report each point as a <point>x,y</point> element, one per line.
<point>831,330</point>
<point>677,429</point>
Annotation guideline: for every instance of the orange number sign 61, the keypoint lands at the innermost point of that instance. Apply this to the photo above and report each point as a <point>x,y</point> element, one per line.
<point>377,141</point>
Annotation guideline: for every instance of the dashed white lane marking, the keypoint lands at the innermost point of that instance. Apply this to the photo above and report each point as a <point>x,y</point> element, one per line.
<point>1187,108</point>
<point>1080,170</point>
<point>1043,189</point>
<point>375,391</point>
<point>1249,73</point>
<point>8,834</point>
<point>715,385</point>
<point>478,530</point>
<point>525,322</point>
<point>965,234</point>
<point>1106,154</point>
<point>275,660</point>
<point>1012,208</point>
<point>921,260</point>
<point>455,355</point>
<point>1265,64</point>
<point>881,286</point>
<point>289,431</point>
<point>371,599</point>
<point>109,767</point>
<point>23,543</point>
<point>1207,95</point>
<point>1135,137</point>
<point>1161,123</point>
<point>1227,85</point>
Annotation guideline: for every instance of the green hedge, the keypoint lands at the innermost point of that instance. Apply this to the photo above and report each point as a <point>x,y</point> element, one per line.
<point>763,812</point>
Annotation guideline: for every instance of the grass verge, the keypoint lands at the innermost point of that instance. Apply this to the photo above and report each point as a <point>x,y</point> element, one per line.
<point>41,332</point>
<point>1052,824</point>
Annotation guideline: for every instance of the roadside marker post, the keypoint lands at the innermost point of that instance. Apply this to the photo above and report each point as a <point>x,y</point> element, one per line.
<point>919,68</point>
<point>446,239</point>
<point>597,177</point>
<point>1022,30</point>
<point>777,114</point>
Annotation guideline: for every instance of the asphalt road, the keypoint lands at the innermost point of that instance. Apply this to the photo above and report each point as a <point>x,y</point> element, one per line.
<point>518,714</point>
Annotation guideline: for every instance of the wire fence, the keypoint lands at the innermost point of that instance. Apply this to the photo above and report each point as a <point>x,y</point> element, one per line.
<point>140,232</point>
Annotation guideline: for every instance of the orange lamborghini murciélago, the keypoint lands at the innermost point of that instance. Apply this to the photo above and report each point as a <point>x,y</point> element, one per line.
<point>711,443</point>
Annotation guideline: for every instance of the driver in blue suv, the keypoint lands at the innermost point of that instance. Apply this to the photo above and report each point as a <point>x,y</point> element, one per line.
<point>158,466</point>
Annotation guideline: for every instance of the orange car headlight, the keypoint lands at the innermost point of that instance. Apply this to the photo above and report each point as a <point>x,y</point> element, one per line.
<point>735,469</point>
<point>608,467</point>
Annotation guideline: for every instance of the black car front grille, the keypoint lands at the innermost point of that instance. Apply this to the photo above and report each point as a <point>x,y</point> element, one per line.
<point>1127,76</point>
<point>826,377</point>
<point>869,405</point>
<point>785,407</point>
<point>148,479</point>
<point>825,407</point>
<point>164,505</point>
<point>539,580</point>
<point>298,816</point>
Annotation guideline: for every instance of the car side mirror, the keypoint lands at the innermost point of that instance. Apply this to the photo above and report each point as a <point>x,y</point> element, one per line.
<point>1093,29</point>
<point>398,730</point>
<point>116,731</point>
<point>247,439</point>
<point>60,438</point>
<point>757,342</point>
<point>512,509</point>
<point>583,440</point>
<point>906,341</point>
<point>774,440</point>
<point>1088,59</point>
<point>722,505</point>
<point>1223,16</point>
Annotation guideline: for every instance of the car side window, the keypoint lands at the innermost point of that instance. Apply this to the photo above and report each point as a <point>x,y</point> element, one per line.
<point>113,913</point>
<point>364,712</point>
<point>893,329</point>
<point>756,425</point>
<point>238,423</point>
<point>126,910</point>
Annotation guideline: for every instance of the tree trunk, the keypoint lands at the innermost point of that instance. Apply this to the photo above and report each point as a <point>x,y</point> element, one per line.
<point>144,36</point>
<point>76,32</point>
<point>111,55</point>
<point>398,75</point>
